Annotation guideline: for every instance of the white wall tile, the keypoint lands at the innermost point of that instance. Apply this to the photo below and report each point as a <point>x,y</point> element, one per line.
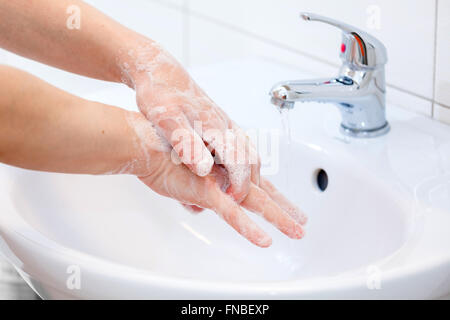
<point>408,101</point>
<point>442,113</point>
<point>443,53</point>
<point>221,30</point>
<point>178,3</point>
<point>406,28</point>
<point>212,43</point>
<point>150,18</point>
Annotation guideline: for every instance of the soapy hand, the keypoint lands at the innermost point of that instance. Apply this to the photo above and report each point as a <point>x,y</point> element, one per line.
<point>43,128</point>
<point>154,166</point>
<point>73,135</point>
<point>199,132</point>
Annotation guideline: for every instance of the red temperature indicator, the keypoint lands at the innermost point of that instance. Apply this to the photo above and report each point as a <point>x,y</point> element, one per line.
<point>343,48</point>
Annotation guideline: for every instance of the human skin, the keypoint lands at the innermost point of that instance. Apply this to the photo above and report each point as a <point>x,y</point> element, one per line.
<point>44,128</point>
<point>165,93</point>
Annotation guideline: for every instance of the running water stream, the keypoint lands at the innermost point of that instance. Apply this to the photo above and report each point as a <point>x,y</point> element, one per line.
<point>286,148</point>
<point>291,258</point>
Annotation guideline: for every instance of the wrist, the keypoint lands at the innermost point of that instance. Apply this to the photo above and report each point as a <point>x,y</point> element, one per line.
<point>146,64</point>
<point>144,146</point>
<point>136,61</point>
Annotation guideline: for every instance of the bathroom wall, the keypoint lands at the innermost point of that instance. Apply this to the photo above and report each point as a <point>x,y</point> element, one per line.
<point>442,85</point>
<point>415,32</point>
<point>201,32</point>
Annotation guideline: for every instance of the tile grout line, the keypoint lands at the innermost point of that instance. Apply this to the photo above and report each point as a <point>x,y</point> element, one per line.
<point>283,46</point>
<point>244,32</point>
<point>290,49</point>
<point>259,37</point>
<point>435,57</point>
<point>435,62</point>
<point>186,33</point>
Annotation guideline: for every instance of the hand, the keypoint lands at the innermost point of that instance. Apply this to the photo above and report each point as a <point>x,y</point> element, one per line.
<point>196,128</point>
<point>156,169</point>
<point>73,135</point>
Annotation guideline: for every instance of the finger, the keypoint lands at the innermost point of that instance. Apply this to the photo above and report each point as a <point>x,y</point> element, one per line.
<point>247,153</point>
<point>230,149</point>
<point>230,211</point>
<point>283,202</point>
<point>258,201</point>
<point>188,145</point>
<point>239,177</point>
<point>192,208</point>
<point>254,160</point>
<point>232,153</point>
<point>255,173</point>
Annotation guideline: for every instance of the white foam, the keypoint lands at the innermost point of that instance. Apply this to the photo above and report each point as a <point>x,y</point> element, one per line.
<point>204,166</point>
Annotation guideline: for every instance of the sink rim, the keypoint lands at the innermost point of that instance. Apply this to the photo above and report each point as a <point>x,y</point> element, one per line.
<point>15,230</point>
<point>16,179</point>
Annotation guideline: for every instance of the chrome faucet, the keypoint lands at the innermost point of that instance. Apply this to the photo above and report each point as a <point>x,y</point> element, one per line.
<point>358,91</point>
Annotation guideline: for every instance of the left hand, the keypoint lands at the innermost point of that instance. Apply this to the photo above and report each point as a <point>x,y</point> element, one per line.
<point>195,127</point>
<point>153,163</point>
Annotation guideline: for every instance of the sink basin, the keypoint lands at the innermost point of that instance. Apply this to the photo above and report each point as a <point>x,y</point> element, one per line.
<point>380,228</point>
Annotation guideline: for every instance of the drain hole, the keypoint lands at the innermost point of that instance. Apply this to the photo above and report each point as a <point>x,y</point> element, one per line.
<point>322,180</point>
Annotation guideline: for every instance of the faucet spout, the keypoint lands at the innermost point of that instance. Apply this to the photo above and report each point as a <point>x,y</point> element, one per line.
<point>320,90</point>
<point>360,99</point>
<point>358,91</point>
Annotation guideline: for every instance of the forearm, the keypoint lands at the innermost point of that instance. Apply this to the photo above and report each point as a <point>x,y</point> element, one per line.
<point>38,30</point>
<point>44,128</point>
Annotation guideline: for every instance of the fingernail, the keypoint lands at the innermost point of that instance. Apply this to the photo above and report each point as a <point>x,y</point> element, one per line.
<point>299,231</point>
<point>265,241</point>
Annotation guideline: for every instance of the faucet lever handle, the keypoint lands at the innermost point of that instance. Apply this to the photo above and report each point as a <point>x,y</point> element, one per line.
<point>359,49</point>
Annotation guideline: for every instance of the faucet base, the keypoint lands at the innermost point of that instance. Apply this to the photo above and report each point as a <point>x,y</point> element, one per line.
<point>373,133</point>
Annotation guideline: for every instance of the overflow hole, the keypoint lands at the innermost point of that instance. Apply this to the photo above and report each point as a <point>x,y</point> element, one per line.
<point>321,179</point>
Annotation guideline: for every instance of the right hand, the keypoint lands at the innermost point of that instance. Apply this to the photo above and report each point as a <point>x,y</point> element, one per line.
<point>176,181</point>
<point>188,119</point>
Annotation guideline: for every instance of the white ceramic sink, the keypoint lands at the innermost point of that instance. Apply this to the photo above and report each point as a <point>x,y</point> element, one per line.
<point>380,230</point>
